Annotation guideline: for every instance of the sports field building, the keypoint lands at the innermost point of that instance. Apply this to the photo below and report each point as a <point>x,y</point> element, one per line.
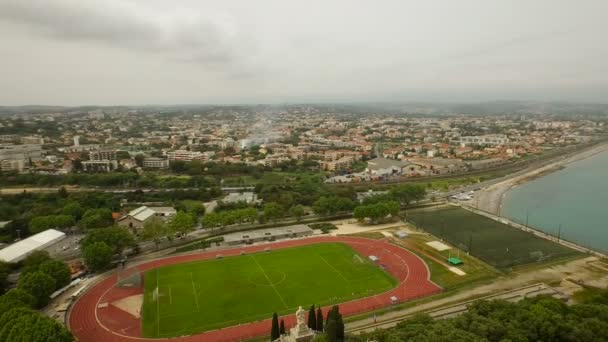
<point>20,250</point>
<point>270,234</point>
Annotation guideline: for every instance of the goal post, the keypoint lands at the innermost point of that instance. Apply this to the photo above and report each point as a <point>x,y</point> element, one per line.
<point>129,278</point>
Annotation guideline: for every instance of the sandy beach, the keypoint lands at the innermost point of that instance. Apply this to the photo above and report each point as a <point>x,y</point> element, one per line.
<point>490,198</point>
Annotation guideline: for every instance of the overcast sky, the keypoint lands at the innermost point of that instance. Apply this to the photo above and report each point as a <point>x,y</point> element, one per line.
<point>77,52</point>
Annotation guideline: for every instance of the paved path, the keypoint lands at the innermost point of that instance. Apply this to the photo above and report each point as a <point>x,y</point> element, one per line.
<point>94,319</point>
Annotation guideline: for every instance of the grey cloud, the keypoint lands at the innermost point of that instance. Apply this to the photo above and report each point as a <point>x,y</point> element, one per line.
<point>124,25</point>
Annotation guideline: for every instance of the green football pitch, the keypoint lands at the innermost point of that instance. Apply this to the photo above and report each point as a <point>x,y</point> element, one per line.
<point>198,296</point>
<point>496,243</point>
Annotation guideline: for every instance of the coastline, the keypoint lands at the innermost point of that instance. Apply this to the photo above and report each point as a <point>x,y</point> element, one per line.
<point>491,198</point>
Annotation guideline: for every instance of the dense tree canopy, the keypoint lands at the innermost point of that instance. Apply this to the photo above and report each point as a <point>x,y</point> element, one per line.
<point>273,211</point>
<point>42,223</point>
<point>182,222</point>
<point>117,238</point>
<point>533,319</point>
<point>5,270</point>
<point>376,211</point>
<point>16,298</point>
<point>96,218</point>
<point>33,261</point>
<point>98,256</point>
<point>408,193</point>
<point>24,325</point>
<point>38,284</point>
<point>229,217</point>
<point>58,270</point>
<point>332,205</point>
<point>155,230</point>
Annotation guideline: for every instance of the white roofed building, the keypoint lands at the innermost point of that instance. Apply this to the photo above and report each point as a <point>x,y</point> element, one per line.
<point>136,218</point>
<point>20,250</point>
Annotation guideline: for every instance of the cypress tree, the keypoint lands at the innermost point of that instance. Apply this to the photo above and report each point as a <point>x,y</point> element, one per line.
<point>339,325</point>
<point>319,326</point>
<point>274,331</point>
<point>282,328</point>
<point>331,330</point>
<point>312,318</point>
<point>334,325</point>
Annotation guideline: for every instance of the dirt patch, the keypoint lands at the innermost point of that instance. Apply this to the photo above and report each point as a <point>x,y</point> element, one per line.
<point>131,304</point>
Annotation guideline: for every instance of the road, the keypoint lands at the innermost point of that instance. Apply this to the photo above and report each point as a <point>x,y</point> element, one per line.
<point>455,309</point>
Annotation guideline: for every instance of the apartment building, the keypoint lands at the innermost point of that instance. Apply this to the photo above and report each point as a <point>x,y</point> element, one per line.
<point>102,155</point>
<point>155,163</point>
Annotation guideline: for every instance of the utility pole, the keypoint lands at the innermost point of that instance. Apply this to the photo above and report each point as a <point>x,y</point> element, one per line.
<point>559,232</point>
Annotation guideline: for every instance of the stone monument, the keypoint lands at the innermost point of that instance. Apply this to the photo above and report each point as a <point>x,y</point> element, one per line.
<point>301,332</point>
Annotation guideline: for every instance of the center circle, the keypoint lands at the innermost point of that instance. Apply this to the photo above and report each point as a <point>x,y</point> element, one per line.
<point>269,277</point>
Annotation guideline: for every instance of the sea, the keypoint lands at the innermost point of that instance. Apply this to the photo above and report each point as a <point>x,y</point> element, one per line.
<point>571,203</point>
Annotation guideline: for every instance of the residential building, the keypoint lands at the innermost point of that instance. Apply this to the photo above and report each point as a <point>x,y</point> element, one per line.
<point>99,165</point>
<point>12,165</point>
<point>24,152</point>
<point>186,155</point>
<point>102,155</point>
<point>384,167</point>
<point>490,139</point>
<point>155,163</point>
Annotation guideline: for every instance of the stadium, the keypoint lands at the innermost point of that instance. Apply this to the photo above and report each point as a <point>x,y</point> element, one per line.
<point>231,294</point>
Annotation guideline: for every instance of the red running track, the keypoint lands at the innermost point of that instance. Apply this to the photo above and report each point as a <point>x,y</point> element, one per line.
<point>92,322</point>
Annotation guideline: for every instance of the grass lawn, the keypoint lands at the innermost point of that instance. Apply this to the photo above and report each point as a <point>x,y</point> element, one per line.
<point>206,295</point>
<point>475,269</point>
<point>498,244</point>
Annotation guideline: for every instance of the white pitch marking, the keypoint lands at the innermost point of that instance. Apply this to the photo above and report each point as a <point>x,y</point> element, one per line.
<point>194,291</point>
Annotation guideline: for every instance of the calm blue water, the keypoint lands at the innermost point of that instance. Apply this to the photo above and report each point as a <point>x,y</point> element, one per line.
<point>575,198</point>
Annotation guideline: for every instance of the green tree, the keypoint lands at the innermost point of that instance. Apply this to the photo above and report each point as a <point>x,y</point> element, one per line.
<point>39,285</point>
<point>118,238</point>
<point>62,192</point>
<point>319,326</point>
<point>96,218</point>
<point>312,318</point>
<point>33,261</point>
<point>8,318</point>
<point>196,208</point>
<point>5,270</point>
<point>275,330</point>
<point>273,211</point>
<point>182,223</point>
<point>334,325</point>
<point>297,211</point>
<point>139,160</point>
<point>154,230</point>
<point>15,298</point>
<point>41,223</point>
<point>408,193</point>
<point>23,325</point>
<point>331,330</point>
<point>376,211</point>
<point>73,209</point>
<point>77,164</point>
<point>58,270</point>
<point>332,205</point>
<point>98,256</point>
